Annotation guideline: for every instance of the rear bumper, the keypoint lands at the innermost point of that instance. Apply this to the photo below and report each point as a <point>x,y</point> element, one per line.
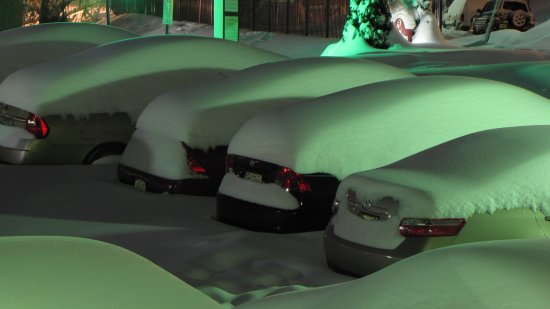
<point>261,218</point>
<point>156,184</point>
<point>12,156</point>
<point>358,260</point>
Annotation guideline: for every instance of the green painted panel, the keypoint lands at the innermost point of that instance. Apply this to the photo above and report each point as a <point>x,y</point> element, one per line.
<point>167,12</point>
<point>231,31</point>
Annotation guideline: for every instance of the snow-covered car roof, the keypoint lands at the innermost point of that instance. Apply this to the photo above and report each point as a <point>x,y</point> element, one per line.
<point>210,115</point>
<point>228,103</point>
<point>489,274</point>
<point>531,75</point>
<point>448,58</point>
<point>71,272</point>
<point>64,32</point>
<point>377,124</point>
<point>126,75</point>
<point>478,173</point>
<point>25,46</point>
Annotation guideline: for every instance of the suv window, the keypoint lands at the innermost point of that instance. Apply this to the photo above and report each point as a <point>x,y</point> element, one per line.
<point>514,6</point>
<point>488,6</point>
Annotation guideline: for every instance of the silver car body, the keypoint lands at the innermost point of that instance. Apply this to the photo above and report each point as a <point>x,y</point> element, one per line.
<point>94,98</point>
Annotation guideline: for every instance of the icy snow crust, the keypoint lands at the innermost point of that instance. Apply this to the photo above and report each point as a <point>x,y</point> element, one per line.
<point>375,125</point>
<point>126,75</point>
<point>475,174</point>
<point>208,116</point>
<point>495,274</point>
<point>19,46</point>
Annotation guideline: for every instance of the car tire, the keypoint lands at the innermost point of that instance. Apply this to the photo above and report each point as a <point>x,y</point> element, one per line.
<point>104,153</point>
<point>518,20</point>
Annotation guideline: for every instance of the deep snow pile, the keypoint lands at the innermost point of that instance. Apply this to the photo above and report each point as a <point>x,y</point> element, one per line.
<point>295,46</point>
<point>496,274</point>
<point>125,76</point>
<point>209,116</point>
<point>67,272</point>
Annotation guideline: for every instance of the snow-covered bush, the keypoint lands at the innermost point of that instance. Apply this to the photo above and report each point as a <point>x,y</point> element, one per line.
<point>372,19</point>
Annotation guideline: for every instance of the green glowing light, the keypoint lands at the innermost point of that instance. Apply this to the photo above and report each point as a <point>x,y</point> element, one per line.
<point>167,12</point>
<point>218,18</point>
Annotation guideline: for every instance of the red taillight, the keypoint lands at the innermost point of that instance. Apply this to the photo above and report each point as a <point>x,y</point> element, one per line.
<point>418,227</point>
<point>290,180</point>
<point>36,125</point>
<point>195,166</point>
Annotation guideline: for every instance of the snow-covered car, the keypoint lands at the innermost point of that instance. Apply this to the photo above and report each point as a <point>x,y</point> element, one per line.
<point>531,75</point>
<point>83,107</point>
<point>460,13</point>
<point>491,274</point>
<point>488,185</point>
<point>511,14</point>
<point>403,17</point>
<point>284,165</point>
<point>26,46</point>
<point>181,139</point>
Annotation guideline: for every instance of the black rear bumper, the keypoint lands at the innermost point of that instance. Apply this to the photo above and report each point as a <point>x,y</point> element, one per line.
<point>156,184</point>
<point>308,217</point>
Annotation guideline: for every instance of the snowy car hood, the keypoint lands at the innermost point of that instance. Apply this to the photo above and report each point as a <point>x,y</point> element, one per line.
<point>478,173</point>
<point>188,115</point>
<point>377,124</point>
<point>126,75</point>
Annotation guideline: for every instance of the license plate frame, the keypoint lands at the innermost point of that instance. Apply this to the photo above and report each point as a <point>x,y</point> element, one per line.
<point>253,177</point>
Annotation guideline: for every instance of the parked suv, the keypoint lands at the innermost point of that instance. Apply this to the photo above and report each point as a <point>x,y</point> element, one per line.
<point>512,14</point>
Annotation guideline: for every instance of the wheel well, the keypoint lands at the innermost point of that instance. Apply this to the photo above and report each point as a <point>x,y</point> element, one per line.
<point>105,149</point>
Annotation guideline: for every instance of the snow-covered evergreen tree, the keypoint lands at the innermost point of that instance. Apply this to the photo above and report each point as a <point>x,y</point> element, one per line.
<point>372,20</point>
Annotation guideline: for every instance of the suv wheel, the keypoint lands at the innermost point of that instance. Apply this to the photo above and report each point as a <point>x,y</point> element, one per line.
<point>518,19</point>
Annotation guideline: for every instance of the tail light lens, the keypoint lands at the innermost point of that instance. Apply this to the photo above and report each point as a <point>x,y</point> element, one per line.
<point>37,126</point>
<point>290,180</point>
<point>419,227</point>
<point>195,166</point>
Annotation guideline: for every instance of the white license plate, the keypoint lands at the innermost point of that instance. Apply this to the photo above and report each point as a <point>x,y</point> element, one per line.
<point>253,177</point>
<point>140,184</point>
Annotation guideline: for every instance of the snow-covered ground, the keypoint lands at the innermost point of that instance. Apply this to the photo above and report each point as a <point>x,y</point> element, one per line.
<point>177,232</point>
